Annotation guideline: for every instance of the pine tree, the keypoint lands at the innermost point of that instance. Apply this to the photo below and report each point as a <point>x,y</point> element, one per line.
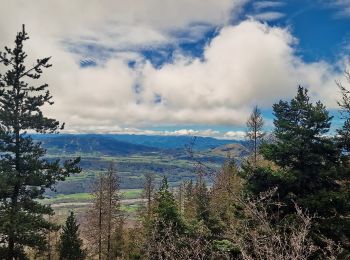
<point>309,172</point>
<point>166,209</point>
<point>70,246</point>
<point>300,129</point>
<point>24,173</point>
<point>166,226</point>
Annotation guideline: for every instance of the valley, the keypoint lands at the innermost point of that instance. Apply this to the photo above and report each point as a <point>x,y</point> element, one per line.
<point>133,156</point>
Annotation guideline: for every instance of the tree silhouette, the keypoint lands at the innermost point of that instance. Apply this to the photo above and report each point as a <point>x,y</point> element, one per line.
<point>24,173</point>
<point>70,243</point>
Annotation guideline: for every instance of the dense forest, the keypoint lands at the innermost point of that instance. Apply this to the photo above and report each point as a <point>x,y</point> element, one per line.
<point>289,198</point>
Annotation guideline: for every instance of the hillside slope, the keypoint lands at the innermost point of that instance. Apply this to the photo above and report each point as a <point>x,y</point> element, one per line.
<point>91,144</point>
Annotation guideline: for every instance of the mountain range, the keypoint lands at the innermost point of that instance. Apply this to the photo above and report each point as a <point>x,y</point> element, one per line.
<point>114,144</point>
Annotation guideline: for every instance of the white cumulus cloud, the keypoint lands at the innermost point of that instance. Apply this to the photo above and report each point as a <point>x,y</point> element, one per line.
<point>246,64</point>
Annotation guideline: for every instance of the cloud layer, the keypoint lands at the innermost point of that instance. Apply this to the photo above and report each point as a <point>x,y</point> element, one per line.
<point>343,7</point>
<point>246,64</point>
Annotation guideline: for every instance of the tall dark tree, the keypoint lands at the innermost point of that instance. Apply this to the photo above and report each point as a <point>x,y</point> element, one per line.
<point>70,246</point>
<point>255,124</point>
<point>24,173</point>
<point>166,224</point>
<point>166,210</point>
<point>300,132</point>
<point>309,172</point>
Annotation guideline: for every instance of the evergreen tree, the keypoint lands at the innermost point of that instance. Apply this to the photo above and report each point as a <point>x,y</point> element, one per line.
<point>166,210</point>
<point>70,243</point>
<point>309,173</point>
<point>300,129</point>
<point>24,173</point>
<point>167,226</point>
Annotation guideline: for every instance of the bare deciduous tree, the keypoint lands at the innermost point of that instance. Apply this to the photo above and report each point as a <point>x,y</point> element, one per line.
<point>254,133</point>
<point>262,235</point>
<point>173,245</point>
<point>148,192</point>
<point>344,103</point>
<point>104,216</point>
<point>225,191</point>
<point>113,206</point>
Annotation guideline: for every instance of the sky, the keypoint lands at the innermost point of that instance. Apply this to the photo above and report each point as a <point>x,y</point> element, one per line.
<point>181,67</point>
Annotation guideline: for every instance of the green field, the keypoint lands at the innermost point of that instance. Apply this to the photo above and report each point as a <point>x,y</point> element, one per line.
<point>79,203</point>
<point>87,197</point>
<point>131,171</point>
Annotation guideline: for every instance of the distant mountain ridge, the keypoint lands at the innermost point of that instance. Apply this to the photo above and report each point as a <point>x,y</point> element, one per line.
<point>89,144</point>
<point>174,142</point>
<point>115,144</point>
<point>135,155</point>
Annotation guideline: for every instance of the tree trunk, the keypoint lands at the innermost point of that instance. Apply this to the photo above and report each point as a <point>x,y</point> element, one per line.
<point>100,223</point>
<point>14,197</point>
<point>255,145</point>
<point>109,215</point>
